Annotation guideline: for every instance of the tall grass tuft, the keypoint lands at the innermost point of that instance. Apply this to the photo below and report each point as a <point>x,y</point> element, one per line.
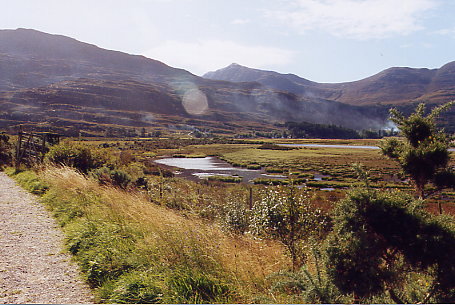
<point>135,251</point>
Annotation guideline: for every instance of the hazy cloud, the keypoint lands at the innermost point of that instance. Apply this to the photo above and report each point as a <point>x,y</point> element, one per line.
<point>240,21</point>
<point>357,19</point>
<point>203,56</point>
<point>446,32</point>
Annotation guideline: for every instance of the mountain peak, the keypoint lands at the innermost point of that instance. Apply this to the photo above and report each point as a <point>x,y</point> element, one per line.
<point>236,73</point>
<point>234,65</point>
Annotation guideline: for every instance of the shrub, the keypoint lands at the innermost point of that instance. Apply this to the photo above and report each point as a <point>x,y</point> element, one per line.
<point>77,155</point>
<point>235,216</point>
<point>286,214</point>
<point>114,177</point>
<point>423,154</point>
<point>379,237</point>
<point>6,156</point>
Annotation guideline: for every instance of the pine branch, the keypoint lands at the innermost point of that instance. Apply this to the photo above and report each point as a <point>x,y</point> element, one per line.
<point>437,111</point>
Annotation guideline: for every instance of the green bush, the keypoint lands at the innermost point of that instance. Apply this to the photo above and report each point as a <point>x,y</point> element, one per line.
<point>286,215</point>
<point>77,155</point>
<point>114,177</point>
<point>423,154</point>
<point>380,237</point>
<point>6,155</point>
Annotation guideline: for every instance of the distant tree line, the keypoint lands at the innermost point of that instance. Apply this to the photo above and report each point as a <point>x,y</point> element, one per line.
<point>331,131</point>
<point>322,131</point>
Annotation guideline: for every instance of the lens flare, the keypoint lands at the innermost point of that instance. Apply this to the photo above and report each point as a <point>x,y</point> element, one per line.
<point>195,102</point>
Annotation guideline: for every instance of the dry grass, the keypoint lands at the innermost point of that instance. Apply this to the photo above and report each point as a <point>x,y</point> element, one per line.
<point>169,238</point>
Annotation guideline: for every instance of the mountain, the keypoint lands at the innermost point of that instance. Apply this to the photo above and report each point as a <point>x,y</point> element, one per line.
<point>393,86</point>
<point>53,82</point>
<point>31,58</point>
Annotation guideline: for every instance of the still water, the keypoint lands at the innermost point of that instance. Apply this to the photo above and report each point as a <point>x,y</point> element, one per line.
<point>338,146</point>
<point>201,168</point>
<point>331,146</point>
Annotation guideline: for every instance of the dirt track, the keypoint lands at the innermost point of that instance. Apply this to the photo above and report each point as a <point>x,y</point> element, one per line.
<point>33,268</point>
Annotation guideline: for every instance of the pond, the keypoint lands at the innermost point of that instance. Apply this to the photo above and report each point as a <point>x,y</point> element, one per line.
<point>331,146</point>
<point>201,168</point>
<point>338,146</point>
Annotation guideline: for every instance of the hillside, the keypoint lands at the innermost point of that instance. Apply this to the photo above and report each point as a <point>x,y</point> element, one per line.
<point>391,86</point>
<point>30,58</point>
<point>53,82</point>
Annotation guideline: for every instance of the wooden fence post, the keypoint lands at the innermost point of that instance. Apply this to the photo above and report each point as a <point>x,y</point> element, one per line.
<point>31,147</point>
<point>251,198</point>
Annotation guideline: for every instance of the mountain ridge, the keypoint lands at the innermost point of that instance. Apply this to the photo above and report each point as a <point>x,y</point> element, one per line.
<point>394,85</point>
<point>53,82</point>
<point>78,60</point>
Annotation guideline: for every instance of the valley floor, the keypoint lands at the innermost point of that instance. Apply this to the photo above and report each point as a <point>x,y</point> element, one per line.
<point>33,268</point>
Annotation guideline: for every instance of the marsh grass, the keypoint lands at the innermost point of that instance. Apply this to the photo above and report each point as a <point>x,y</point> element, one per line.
<point>227,179</point>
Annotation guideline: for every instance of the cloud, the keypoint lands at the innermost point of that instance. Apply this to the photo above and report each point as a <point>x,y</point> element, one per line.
<point>203,56</point>
<point>355,19</point>
<point>240,21</point>
<point>446,32</point>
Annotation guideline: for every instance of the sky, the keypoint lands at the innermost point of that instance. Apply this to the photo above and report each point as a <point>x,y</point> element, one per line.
<point>320,40</point>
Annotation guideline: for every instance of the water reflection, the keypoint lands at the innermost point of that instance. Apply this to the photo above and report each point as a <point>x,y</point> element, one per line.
<point>339,146</point>
<point>212,166</point>
<point>331,146</point>
<point>207,163</point>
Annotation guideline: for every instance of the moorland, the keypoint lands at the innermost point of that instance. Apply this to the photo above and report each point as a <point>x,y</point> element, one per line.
<point>143,234</point>
<point>321,222</point>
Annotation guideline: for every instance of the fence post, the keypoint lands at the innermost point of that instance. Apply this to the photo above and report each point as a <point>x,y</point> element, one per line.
<point>43,148</point>
<point>251,198</point>
<point>18,149</point>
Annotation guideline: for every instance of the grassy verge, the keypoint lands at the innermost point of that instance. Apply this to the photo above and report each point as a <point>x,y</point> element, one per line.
<point>29,180</point>
<point>134,251</point>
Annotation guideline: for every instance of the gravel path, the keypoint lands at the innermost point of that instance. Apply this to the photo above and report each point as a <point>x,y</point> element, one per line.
<point>33,267</point>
